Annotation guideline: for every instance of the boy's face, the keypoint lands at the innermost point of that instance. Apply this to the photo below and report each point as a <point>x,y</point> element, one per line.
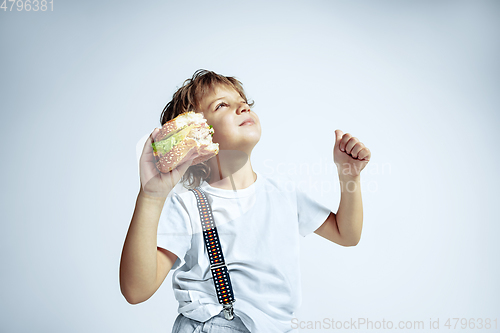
<point>227,111</point>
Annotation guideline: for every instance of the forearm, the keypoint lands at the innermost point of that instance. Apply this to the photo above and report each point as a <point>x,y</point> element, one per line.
<point>350,213</point>
<point>138,267</point>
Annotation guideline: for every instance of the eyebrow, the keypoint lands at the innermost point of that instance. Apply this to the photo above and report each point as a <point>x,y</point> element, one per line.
<point>210,106</point>
<point>218,99</point>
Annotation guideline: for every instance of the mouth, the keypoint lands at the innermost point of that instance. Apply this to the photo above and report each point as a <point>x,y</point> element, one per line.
<point>248,121</point>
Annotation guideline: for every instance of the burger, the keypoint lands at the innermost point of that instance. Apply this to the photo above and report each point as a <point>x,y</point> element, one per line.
<point>181,138</point>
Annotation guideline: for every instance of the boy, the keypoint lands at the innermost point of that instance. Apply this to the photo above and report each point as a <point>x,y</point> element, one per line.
<point>257,219</point>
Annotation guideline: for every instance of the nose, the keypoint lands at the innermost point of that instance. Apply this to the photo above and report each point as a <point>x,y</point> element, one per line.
<point>243,108</point>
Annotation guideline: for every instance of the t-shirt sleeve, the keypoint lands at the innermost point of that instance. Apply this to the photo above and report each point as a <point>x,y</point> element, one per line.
<point>174,228</point>
<point>311,214</point>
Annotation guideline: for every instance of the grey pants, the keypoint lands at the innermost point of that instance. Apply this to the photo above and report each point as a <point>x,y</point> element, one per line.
<point>215,324</point>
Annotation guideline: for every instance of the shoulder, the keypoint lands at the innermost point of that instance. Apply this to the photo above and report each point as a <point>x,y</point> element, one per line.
<point>279,182</point>
<point>183,196</point>
<point>180,199</point>
<point>278,185</point>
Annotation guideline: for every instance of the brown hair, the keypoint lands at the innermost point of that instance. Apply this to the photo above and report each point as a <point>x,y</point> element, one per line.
<point>188,98</point>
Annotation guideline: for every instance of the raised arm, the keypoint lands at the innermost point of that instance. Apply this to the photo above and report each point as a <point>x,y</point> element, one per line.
<point>143,267</point>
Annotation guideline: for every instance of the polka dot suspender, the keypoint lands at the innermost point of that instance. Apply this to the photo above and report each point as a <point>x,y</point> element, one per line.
<point>218,267</point>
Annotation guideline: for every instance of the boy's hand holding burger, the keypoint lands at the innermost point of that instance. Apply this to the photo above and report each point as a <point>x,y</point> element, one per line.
<point>169,151</point>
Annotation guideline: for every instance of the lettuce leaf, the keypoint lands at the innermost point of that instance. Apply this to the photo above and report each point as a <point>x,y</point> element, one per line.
<point>164,146</point>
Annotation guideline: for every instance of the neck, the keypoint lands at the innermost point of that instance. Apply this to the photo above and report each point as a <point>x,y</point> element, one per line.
<point>231,170</point>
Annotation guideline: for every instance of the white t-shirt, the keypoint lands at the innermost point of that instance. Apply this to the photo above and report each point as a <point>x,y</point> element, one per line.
<point>258,229</point>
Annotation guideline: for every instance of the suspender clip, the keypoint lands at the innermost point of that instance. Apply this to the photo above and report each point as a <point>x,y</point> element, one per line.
<point>228,311</point>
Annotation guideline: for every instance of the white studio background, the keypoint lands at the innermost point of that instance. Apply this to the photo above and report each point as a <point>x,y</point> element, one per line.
<point>416,81</point>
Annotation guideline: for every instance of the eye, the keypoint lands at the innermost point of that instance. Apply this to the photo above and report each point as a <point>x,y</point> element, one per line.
<point>220,104</point>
